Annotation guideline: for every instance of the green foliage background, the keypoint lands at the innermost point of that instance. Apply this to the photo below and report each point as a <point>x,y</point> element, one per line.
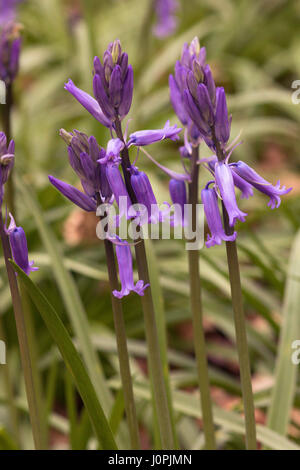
<point>254,50</point>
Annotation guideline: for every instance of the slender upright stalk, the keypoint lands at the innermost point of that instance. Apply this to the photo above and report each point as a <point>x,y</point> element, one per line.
<point>120,331</point>
<point>7,108</point>
<point>9,388</point>
<point>196,308</point>
<point>240,326</point>
<point>32,397</point>
<point>154,358</point>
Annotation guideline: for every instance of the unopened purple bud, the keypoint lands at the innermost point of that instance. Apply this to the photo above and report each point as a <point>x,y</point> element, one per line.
<point>253,178</point>
<point>113,82</point>
<point>10,45</point>
<point>178,195</point>
<point>222,122</point>
<point>178,192</point>
<point>74,195</point>
<point>213,217</point>
<point>106,190</point>
<point>195,114</point>
<point>192,84</point>
<point>145,195</point>
<point>19,248</point>
<point>118,188</point>
<point>102,99</point>
<point>127,92</point>
<point>210,84</point>
<point>115,86</point>
<point>225,183</point>
<point>205,105</point>
<point>124,258</point>
<point>176,100</point>
<point>89,103</point>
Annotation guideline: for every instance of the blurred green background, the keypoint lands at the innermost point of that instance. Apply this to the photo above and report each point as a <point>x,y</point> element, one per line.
<point>254,51</point>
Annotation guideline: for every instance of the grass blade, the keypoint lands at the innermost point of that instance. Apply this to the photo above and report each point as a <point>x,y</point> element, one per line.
<point>72,359</point>
<point>286,372</point>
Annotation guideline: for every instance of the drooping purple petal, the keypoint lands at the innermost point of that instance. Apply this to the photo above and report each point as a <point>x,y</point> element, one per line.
<point>124,258</point>
<point>225,183</point>
<point>252,177</point>
<point>147,137</point>
<point>19,248</point>
<point>242,185</point>
<point>213,217</point>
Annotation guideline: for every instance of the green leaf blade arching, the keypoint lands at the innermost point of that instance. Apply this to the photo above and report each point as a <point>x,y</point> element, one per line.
<point>284,388</point>
<point>72,359</point>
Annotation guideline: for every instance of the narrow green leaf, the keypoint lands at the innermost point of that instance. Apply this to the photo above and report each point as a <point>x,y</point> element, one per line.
<point>286,372</point>
<point>70,295</point>
<point>117,411</point>
<point>161,325</point>
<point>188,404</point>
<point>72,359</point>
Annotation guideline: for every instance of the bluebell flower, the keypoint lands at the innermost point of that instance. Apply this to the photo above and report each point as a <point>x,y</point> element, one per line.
<point>10,46</point>
<point>147,137</point>
<point>225,183</point>
<point>124,258</point>
<point>179,196</point>
<point>118,188</point>
<point>253,178</point>
<point>192,60</point>
<point>19,248</point>
<point>144,194</point>
<point>113,82</point>
<point>211,209</point>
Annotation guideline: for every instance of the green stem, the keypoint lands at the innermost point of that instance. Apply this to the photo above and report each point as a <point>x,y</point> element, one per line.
<point>240,324</point>
<point>196,308</point>
<point>120,331</point>
<point>32,397</point>
<point>154,357</point>
<point>6,115</point>
<point>33,351</point>
<point>241,336</point>
<point>9,388</point>
<point>122,349</point>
